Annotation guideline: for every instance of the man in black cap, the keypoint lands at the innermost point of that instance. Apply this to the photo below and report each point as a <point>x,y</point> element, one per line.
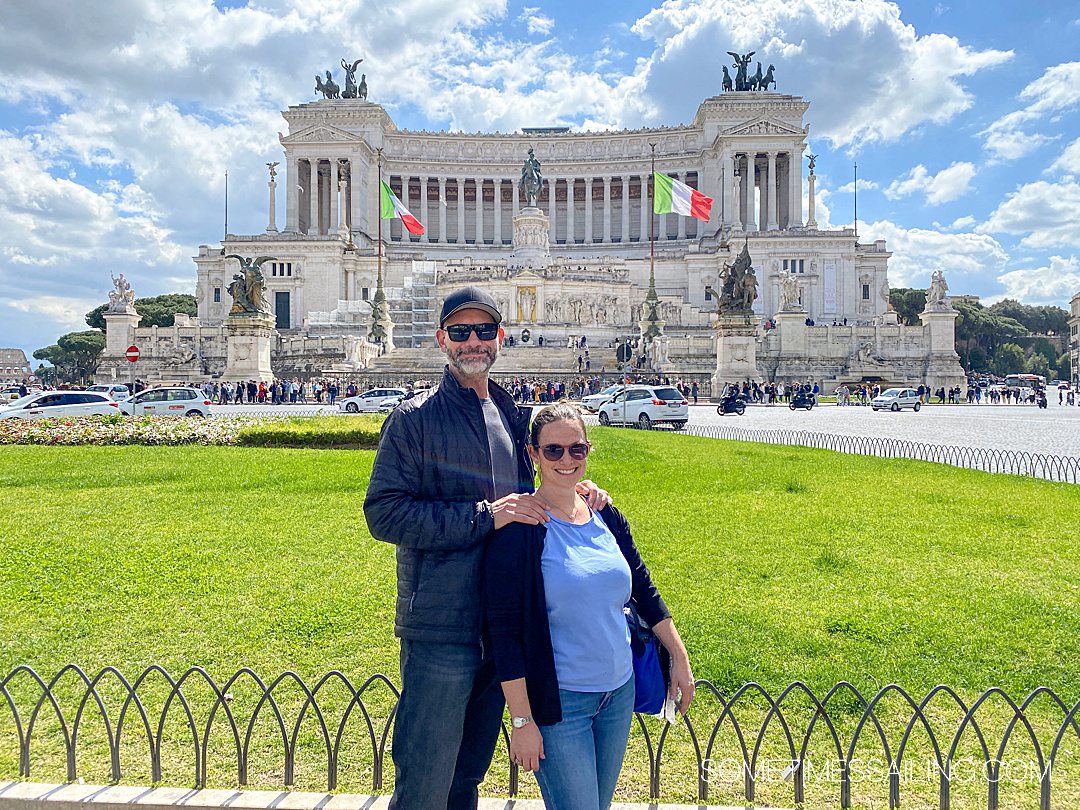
<point>451,469</point>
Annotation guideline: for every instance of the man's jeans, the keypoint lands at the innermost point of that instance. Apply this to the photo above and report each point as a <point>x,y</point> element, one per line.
<point>447,724</point>
<point>584,753</point>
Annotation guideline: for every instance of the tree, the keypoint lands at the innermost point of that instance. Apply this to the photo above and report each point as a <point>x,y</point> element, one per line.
<point>1064,367</point>
<point>1037,364</point>
<point>907,303</point>
<point>155,311</point>
<point>1009,359</point>
<point>74,355</point>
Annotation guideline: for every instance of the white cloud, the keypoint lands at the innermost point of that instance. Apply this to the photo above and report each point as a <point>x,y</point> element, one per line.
<point>1069,160</point>
<point>870,75</point>
<point>1051,284</point>
<point>949,184</point>
<point>535,22</point>
<point>961,223</point>
<point>919,251</point>
<point>69,313</point>
<point>849,188</point>
<point>1046,212</point>
<point>1056,90</point>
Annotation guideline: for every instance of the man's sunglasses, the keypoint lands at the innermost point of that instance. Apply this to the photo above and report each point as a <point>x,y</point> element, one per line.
<point>579,451</point>
<point>459,332</point>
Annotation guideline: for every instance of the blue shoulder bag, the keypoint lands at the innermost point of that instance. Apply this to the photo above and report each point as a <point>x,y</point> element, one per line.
<point>652,665</point>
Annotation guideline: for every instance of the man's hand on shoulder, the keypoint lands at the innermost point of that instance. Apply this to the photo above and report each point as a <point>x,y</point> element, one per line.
<point>598,499</point>
<point>518,508</point>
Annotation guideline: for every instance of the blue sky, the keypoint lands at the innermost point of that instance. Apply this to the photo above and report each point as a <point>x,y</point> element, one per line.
<point>118,120</point>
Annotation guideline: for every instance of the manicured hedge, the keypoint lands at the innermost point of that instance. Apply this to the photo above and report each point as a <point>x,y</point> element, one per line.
<point>318,431</point>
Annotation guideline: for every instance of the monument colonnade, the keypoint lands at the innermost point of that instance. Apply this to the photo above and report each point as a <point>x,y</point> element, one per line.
<point>757,191</point>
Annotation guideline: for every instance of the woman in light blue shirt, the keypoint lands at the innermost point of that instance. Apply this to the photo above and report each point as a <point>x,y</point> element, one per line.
<point>555,595</point>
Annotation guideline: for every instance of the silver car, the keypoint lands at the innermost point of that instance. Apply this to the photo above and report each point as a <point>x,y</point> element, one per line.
<point>373,401</point>
<point>593,401</point>
<point>895,399</point>
<point>646,405</point>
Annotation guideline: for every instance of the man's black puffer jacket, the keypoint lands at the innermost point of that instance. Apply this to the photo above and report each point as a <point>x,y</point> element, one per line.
<point>430,494</point>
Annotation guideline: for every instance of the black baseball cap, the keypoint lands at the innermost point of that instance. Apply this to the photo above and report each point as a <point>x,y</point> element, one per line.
<point>469,298</point>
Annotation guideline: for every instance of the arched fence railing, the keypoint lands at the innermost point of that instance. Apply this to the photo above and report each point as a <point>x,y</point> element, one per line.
<point>842,729</point>
<point>1014,462</point>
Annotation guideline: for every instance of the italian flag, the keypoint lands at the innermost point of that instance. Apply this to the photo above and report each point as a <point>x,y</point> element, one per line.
<point>672,197</point>
<point>390,206</point>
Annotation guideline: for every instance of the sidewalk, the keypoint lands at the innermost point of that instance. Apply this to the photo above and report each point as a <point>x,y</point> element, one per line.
<point>40,796</point>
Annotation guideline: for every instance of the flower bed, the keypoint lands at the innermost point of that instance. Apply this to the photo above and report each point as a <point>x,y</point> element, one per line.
<point>121,430</point>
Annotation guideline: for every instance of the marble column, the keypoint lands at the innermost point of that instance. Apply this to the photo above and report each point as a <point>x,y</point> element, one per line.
<point>461,210</point>
<point>570,182</point>
<point>624,229</point>
<point>661,227</point>
<point>795,219</point>
<point>644,211</point>
<point>811,222</point>
<point>292,180</point>
<point>607,209</point>
<point>551,207</point>
<point>356,197</point>
<point>498,240</point>
<point>771,224</point>
<point>271,225</point>
<point>326,196</point>
<point>442,210</point>
<point>682,220</point>
<point>588,211</point>
<point>332,224</point>
<point>478,184</point>
<point>736,195</point>
<point>515,201</point>
<point>424,208</point>
<point>313,196</point>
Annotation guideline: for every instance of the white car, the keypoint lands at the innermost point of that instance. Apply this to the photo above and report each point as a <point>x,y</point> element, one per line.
<point>377,399</point>
<point>644,406</point>
<point>593,401</point>
<point>51,404</point>
<point>174,401</point>
<point>895,399</point>
<point>117,392</point>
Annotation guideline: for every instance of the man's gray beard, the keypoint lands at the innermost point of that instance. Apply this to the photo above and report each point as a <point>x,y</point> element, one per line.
<point>472,365</point>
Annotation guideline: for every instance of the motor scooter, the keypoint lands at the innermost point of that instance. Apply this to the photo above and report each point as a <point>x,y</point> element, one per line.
<point>731,403</point>
<point>803,399</point>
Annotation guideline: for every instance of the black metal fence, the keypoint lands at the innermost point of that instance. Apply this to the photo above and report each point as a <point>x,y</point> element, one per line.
<point>1014,462</point>
<point>843,727</point>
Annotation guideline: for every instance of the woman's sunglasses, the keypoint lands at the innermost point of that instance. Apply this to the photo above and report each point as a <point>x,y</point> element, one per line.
<point>459,332</point>
<point>579,451</point>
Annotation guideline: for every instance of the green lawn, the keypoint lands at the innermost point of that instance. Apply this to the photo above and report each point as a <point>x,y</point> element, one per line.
<point>780,564</point>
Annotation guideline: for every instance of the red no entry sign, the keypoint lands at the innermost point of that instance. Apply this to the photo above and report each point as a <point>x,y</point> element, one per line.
<point>132,353</point>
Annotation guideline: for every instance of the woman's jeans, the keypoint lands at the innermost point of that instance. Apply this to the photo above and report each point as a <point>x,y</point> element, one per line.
<point>584,753</point>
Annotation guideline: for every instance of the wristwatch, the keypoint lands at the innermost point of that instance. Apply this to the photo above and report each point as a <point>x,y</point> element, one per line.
<point>521,721</point>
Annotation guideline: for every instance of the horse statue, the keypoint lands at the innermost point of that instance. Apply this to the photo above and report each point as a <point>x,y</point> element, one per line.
<point>350,79</point>
<point>767,79</point>
<point>757,79</point>
<point>531,180</point>
<point>727,80</point>
<point>361,89</point>
<point>329,88</point>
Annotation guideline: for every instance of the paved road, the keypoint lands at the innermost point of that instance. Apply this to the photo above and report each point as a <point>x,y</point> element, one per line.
<point>1007,427</point>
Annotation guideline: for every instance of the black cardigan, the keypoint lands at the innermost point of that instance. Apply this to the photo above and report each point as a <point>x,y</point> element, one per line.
<point>516,611</point>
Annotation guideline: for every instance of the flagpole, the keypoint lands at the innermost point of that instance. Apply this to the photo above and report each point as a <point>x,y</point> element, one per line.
<point>855,192</point>
<point>226,203</point>
<point>378,152</point>
<point>652,218</point>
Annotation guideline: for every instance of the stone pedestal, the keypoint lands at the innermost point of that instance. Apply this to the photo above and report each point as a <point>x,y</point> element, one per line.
<point>120,331</point>
<point>248,347</point>
<point>943,367</point>
<point>791,326</point>
<point>532,241</point>
<point>736,350</point>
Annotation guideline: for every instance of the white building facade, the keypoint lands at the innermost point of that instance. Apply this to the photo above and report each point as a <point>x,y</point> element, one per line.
<point>744,149</point>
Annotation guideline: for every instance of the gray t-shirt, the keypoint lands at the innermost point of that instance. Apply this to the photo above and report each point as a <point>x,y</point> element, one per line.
<point>504,467</point>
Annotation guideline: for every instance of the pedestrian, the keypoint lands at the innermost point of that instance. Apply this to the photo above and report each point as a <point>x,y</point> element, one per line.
<point>694,390</point>
<point>554,597</point>
<point>451,468</point>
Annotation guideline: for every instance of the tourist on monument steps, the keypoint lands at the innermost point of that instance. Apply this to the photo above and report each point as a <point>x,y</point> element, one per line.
<point>451,468</point>
<point>554,597</point>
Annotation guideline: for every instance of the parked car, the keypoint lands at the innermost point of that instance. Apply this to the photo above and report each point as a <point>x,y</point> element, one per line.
<point>377,399</point>
<point>593,401</point>
<point>644,406</point>
<point>9,394</point>
<point>170,401</point>
<point>894,399</point>
<point>50,404</point>
<point>117,392</point>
